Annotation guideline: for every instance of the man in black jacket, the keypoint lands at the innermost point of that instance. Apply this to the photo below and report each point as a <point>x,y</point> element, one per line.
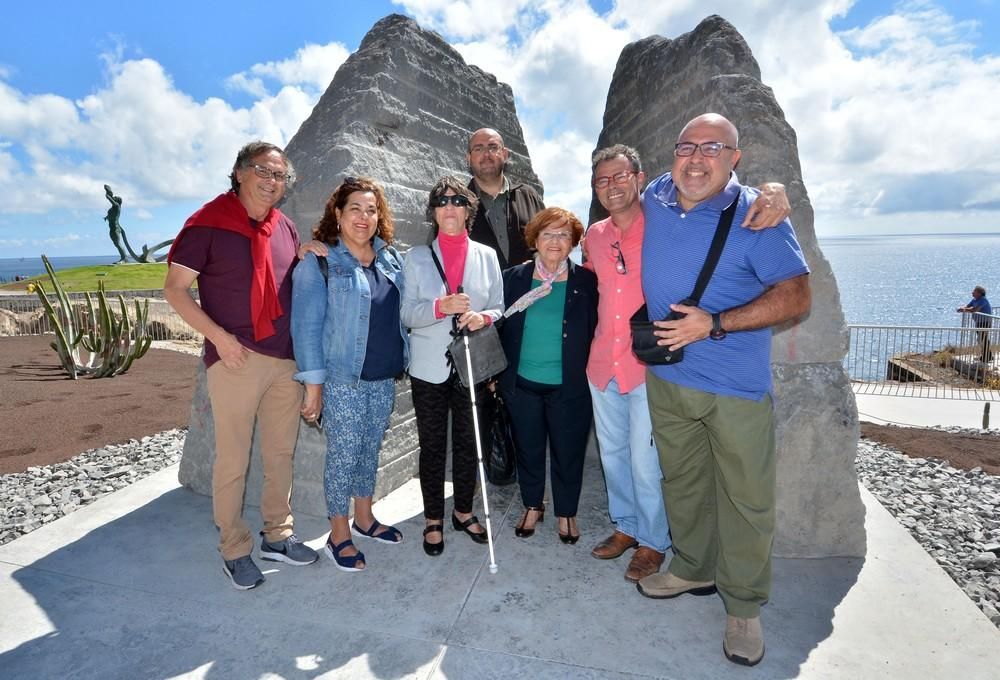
<point>504,208</point>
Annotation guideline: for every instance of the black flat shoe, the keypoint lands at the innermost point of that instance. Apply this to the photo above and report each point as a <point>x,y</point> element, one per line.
<point>519,529</point>
<point>569,539</point>
<point>464,526</point>
<point>434,549</point>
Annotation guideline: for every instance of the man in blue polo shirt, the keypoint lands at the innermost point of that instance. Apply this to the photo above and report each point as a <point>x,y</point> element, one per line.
<point>712,412</point>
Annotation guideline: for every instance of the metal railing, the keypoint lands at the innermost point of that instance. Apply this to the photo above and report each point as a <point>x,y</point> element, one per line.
<point>25,315</point>
<point>925,361</point>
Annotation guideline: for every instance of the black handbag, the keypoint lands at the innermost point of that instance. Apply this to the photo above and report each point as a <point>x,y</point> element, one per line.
<point>500,463</point>
<point>643,340</point>
<point>484,346</point>
<point>488,358</point>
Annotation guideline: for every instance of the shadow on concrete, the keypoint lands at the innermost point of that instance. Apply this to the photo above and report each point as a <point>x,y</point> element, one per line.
<point>143,596</point>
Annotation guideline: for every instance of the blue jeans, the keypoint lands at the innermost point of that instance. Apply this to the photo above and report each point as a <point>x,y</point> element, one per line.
<point>631,465</point>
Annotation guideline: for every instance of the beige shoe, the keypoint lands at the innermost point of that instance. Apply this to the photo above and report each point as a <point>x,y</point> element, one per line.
<point>663,586</point>
<point>744,640</point>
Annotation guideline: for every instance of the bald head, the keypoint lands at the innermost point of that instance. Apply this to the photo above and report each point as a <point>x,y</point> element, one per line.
<point>487,157</point>
<point>698,176</point>
<point>727,131</point>
<point>484,136</point>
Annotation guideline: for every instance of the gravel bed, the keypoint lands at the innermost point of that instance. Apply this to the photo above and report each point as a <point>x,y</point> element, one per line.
<point>952,513</point>
<point>41,494</point>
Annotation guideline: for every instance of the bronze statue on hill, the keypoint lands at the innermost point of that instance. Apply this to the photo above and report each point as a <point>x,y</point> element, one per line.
<point>118,237</point>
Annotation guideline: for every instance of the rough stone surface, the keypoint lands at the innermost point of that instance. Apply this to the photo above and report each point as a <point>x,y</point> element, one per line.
<point>400,110</point>
<point>660,84</point>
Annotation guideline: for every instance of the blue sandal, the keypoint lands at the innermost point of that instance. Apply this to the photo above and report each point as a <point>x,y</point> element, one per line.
<point>344,562</point>
<point>378,532</point>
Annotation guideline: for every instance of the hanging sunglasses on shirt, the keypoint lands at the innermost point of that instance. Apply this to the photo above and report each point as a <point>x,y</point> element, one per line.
<point>457,200</point>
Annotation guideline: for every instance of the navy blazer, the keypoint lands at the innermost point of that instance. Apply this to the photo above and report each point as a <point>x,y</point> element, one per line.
<point>579,322</point>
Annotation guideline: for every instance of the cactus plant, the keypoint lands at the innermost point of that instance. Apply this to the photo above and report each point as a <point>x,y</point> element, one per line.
<point>112,341</point>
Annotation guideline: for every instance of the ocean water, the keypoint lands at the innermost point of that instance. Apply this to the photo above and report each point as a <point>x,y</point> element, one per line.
<point>912,280</point>
<point>11,267</point>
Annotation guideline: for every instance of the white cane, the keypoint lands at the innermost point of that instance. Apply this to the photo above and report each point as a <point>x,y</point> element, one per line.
<point>479,453</point>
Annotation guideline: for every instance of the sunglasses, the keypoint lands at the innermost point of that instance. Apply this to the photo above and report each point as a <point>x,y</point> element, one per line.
<point>457,200</point>
<point>616,249</point>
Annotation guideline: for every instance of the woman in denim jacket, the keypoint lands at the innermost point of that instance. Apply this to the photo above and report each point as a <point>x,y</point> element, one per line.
<point>350,346</point>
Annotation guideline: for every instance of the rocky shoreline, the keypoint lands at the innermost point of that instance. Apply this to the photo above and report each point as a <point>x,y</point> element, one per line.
<point>952,513</point>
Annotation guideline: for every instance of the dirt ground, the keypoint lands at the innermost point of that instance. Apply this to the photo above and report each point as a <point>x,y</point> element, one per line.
<point>45,417</point>
<point>964,451</point>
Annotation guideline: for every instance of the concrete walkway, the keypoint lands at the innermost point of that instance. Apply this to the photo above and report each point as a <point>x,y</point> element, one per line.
<point>926,412</point>
<point>131,587</point>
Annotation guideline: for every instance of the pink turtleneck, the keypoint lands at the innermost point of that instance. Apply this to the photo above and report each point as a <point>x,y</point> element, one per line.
<point>453,252</point>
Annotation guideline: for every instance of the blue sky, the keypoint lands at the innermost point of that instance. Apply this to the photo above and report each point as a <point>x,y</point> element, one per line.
<point>894,103</point>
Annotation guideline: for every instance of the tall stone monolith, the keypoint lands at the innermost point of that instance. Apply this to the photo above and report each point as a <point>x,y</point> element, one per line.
<point>399,110</point>
<point>659,85</point>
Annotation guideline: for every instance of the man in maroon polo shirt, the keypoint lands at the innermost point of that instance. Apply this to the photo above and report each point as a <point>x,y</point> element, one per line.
<point>241,249</point>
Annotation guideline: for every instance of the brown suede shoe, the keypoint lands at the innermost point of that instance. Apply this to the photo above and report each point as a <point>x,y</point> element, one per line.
<point>744,640</point>
<point>644,562</point>
<point>613,546</point>
<point>663,586</point>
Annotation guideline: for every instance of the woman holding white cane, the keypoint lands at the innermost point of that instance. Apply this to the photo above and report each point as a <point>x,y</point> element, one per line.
<point>430,301</point>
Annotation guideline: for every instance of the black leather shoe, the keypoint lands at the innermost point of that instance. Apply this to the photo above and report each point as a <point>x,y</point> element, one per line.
<point>519,529</point>
<point>464,526</point>
<point>567,538</point>
<point>434,549</point>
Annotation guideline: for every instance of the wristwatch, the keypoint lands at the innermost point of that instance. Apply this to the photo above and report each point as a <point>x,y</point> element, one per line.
<point>717,332</point>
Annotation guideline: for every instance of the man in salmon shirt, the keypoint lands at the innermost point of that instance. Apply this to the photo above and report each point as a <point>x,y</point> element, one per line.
<point>613,250</point>
<point>242,249</point>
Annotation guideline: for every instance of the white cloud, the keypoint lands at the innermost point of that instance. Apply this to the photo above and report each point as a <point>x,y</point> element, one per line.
<point>312,68</point>
<point>882,111</point>
<point>150,141</point>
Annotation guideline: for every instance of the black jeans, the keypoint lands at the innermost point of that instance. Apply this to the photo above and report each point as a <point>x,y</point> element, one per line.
<point>546,414</point>
<point>431,404</point>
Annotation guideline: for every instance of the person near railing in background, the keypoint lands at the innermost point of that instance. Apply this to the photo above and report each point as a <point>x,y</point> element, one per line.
<point>981,312</point>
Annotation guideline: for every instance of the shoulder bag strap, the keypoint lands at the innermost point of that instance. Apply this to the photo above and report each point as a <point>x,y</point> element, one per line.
<point>714,252</point>
<point>437,263</point>
<point>444,279</point>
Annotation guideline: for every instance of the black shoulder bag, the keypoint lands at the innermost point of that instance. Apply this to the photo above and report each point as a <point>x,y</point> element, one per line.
<point>643,341</point>
<point>488,358</point>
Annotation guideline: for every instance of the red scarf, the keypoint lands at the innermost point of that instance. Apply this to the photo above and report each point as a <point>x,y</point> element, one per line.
<point>226,212</point>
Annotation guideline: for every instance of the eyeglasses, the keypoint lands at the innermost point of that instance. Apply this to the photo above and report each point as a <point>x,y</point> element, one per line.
<point>708,149</point>
<point>554,236</point>
<point>457,200</point>
<point>619,258</point>
<point>605,180</point>
<point>493,148</point>
<point>268,173</point>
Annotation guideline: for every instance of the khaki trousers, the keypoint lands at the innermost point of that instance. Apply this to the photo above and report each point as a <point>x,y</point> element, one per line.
<point>717,457</point>
<point>262,390</point>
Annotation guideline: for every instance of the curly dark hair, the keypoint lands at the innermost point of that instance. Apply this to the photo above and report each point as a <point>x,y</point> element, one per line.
<point>547,217</point>
<point>440,188</point>
<point>327,230</point>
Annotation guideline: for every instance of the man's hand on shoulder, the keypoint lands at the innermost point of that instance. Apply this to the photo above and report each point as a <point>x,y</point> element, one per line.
<point>231,352</point>
<point>695,326</point>
<point>770,209</point>
<point>317,248</point>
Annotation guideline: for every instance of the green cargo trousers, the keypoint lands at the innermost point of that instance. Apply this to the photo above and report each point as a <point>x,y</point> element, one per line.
<point>717,457</point>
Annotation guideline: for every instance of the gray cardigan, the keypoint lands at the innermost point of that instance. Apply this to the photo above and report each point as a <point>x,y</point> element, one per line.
<point>429,336</point>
